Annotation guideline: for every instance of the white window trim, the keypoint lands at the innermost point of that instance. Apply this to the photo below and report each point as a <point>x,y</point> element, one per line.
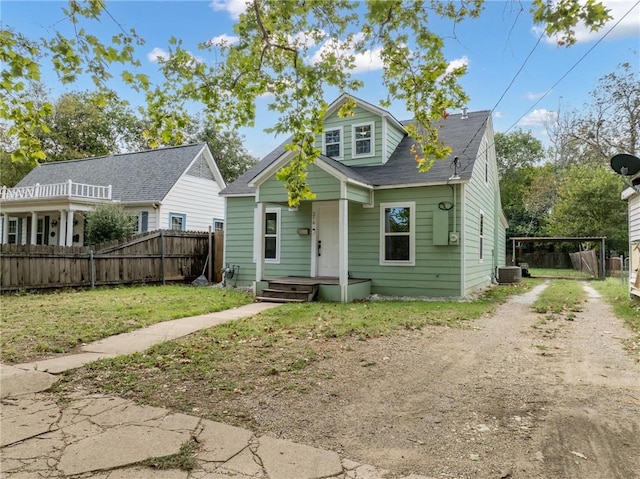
<point>278,234</point>
<point>324,146</point>
<point>412,233</point>
<point>481,227</point>
<point>372,124</point>
<point>217,220</point>
<point>178,215</point>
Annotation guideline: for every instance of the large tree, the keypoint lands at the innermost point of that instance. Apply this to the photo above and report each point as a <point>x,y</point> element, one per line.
<point>275,38</point>
<point>227,149</point>
<point>79,126</point>
<point>589,205</point>
<point>607,124</point>
<point>526,186</point>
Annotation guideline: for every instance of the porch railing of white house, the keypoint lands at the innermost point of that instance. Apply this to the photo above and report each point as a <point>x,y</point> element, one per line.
<point>67,189</point>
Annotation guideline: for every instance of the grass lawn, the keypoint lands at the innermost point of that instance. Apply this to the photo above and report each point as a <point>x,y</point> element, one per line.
<point>35,325</point>
<point>616,293</point>
<point>558,273</point>
<point>271,349</point>
<point>562,296</point>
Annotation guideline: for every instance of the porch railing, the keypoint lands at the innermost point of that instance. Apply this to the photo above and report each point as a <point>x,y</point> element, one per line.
<point>67,189</point>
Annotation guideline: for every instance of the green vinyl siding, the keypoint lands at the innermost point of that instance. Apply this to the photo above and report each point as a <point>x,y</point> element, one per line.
<point>321,183</point>
<point>358,194</point>
<point>238,237</point>
<point>394,137</point>
<point>480,199</point>
<point>295,249</point>
<point>360,116</point>
<point>437,268</point>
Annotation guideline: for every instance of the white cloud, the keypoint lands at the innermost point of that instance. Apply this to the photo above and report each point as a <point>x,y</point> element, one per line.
<point>538,118</point>
<point>368,61</point>
<point>533,96</point>
<point>157,54</point>
<point>497,114</point>
<point>463,61</point>
<point>628,27</point>
<point>233,7</point>
<point>223,39</point>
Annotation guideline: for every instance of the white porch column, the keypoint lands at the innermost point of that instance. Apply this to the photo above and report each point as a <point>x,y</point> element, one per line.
<point>5,228</point>
<point>34,227</point>
<point>343,252</point>
<point>62,225</point>
<point>69,240</point>
<point>258,246</point>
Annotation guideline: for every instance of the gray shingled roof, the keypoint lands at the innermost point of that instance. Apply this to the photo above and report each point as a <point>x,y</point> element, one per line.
<point>463,136</point>
<point>140,176</point>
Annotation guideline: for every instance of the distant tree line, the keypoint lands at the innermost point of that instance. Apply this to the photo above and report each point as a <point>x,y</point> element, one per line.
<point>569,189</point>
<point>82,125</point>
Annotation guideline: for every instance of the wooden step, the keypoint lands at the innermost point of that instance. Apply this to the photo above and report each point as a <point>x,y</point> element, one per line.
<point>288,292</point>
<point>271,299</point>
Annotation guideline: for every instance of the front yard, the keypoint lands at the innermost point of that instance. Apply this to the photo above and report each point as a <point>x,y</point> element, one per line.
<point>39,325</point>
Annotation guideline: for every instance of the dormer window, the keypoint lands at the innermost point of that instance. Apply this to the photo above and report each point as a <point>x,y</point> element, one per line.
<point>333,143</point>
<point>363,139</point>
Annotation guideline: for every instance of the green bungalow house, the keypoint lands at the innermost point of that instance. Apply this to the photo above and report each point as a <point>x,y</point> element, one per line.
<point>377,225</point>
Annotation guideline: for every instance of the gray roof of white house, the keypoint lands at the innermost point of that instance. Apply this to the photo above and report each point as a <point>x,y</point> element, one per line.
<point>141,176</point>
<point>462,135</point>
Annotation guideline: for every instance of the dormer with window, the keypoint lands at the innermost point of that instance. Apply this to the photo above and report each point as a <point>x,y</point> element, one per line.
<point>366,138</point>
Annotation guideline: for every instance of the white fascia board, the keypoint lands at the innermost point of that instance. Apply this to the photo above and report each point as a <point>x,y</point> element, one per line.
<point>628,193</point>
<point>365,106</point>
<point>271,169</point>
<point>338,174</point>
<point>415,185</point>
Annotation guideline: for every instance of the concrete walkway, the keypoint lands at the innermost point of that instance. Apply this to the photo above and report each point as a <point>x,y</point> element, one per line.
<point>108,437</point>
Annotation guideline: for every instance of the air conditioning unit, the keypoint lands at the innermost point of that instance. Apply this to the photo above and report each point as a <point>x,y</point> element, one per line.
<point>454,237</point>
<point>509,274</point>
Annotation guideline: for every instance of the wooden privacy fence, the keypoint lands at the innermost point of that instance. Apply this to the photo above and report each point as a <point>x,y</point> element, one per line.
<point>156,257</point>
<point>586,262</point>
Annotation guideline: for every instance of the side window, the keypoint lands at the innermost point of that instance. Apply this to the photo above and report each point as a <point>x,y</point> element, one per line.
<point>13,231</point>
<point>218,225</point>
<point>397,234</point>
<point>333,143</point>
<point>272,235</point>
<point>144,221</point>
<point>363,139</point>
<point>177,221</point>
<point>481,237</point>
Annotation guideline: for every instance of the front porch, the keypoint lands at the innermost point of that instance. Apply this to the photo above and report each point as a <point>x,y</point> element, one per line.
<point>324,288</point>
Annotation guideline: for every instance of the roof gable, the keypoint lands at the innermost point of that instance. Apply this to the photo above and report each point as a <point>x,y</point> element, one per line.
<point>134,177</point>
<point>463,134</point>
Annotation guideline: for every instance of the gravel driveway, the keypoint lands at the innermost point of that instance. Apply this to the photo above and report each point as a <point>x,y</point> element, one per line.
<point>515,395</point>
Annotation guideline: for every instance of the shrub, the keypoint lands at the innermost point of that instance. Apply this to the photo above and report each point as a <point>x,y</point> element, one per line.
<point>109,222</point>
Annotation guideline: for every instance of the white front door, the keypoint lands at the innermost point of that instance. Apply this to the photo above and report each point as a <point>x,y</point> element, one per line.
<point>327,240</point>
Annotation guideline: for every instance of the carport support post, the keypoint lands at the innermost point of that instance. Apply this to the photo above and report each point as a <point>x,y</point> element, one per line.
<point>513,252</point>
<point>602,261</point>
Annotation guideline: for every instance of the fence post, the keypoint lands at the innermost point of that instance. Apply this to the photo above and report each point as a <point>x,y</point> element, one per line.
<point>92,269</point>
<point>210,258</point>
<point>162,256</point>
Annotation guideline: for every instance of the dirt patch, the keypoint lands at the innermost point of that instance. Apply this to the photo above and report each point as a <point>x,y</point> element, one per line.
<point>517,394</point>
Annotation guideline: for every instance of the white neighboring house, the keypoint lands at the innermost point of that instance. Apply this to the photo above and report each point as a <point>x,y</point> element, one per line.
<point>166,188</point>
<point>632,196</point>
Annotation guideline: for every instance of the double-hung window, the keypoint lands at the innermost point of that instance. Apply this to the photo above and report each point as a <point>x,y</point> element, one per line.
<point>332,141</point>
<point>177,221</point>
<point>272,235</point>
<point>218,225</point>
<point>397,233</point>
<point>363,139</point>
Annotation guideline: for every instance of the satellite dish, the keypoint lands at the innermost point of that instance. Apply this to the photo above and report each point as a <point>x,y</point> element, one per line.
<point>625,164</point>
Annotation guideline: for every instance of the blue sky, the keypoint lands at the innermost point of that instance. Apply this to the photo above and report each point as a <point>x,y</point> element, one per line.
<point>494,47</point>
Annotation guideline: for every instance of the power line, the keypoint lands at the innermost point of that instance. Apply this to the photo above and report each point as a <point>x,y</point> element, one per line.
<point>574,65</point>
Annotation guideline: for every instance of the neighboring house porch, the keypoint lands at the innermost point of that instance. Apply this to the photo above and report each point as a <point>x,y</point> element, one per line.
<point>55,212</point>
